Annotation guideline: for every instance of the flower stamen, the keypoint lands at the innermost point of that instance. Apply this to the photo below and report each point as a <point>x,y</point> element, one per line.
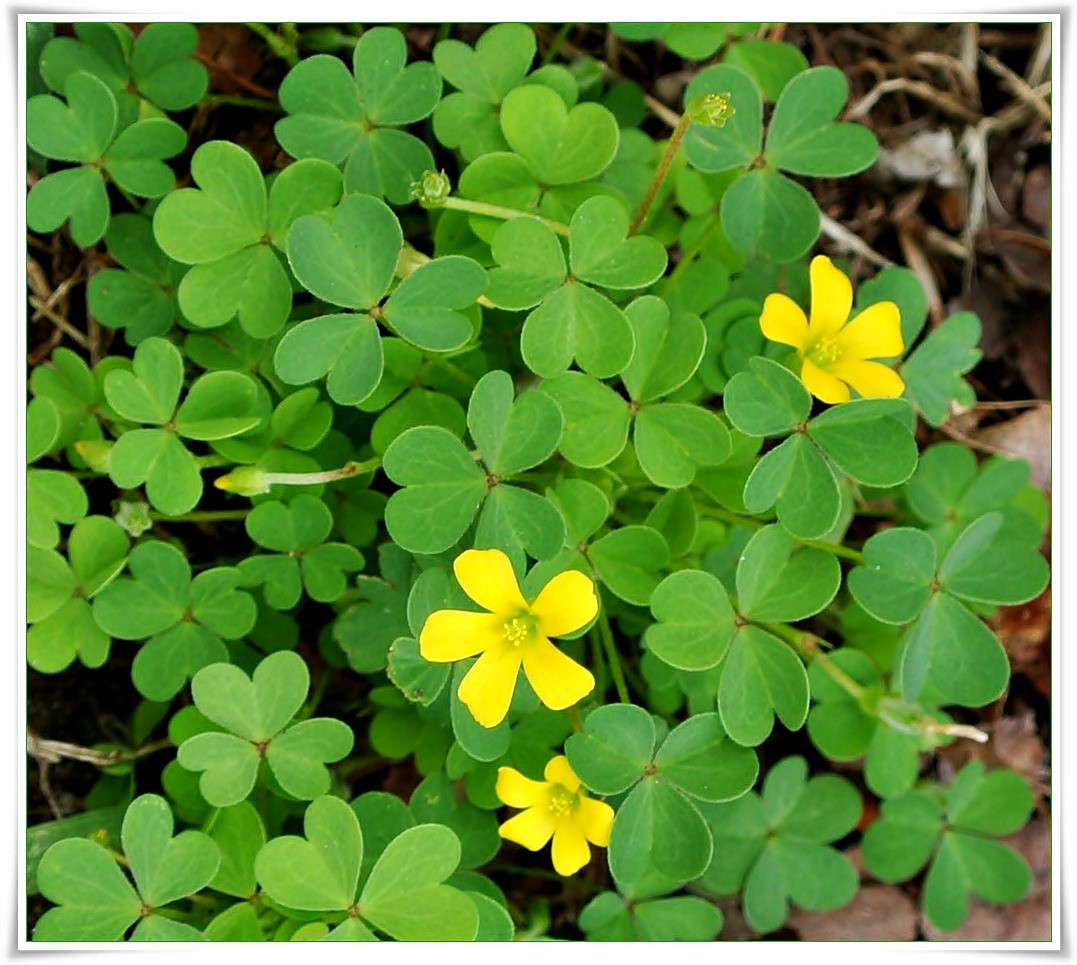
<point>562,799</point>
<point>516,631</point>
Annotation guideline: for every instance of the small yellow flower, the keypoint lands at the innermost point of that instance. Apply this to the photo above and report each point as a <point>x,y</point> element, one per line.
<point>512,634</point>
<point>834,352</point>
<point>557,808</point>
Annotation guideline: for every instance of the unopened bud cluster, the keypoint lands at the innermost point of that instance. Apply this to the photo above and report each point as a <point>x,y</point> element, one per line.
<point>710,110</point>
<point>431,189</point>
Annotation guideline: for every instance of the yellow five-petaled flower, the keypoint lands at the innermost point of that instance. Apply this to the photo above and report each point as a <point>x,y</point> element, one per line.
<point>557,808</point>
<point>834,352</point>
<point>512,634</point>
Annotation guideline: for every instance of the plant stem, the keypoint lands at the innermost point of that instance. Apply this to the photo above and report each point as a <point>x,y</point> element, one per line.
<point>203,516</point>
<point>613,657</point>
<point>255,103</point>
<point>660,174</point>
<point>836,549</point>
<point>839,676</point>
<point>806,647</point>
<point>688,256</point>
<point>728,516</point>
<point>555,45</point>
<point>497,211</point>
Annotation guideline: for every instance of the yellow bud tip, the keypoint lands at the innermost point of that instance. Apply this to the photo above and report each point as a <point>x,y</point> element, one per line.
<point>223,482</point>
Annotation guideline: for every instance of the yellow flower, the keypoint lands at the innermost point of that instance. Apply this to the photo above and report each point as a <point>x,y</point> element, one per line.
<point>557,807</point>
<point>834,351</point>
<point>512,634</point>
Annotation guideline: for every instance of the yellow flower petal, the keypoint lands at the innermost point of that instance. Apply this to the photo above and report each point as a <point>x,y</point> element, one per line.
<point>595,818</point>
<point>531,828</point>
<point>450,635</point>
<point>822,384</point>
<point>517,791</point>
<point>487,687</point>
<point>874,334</point>
<point>570,851</point>
<point>487,577</point>
<point>565,604</point>
<point>783,320</point>
<point>872,380</point>
<point>831,298</point>
<point>558,771</point>
<point>557,679</point>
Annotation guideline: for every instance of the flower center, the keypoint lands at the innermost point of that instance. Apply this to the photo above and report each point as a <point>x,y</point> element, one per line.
<point>824,352</point>
<point>518,630</point>
<point>562,799</point>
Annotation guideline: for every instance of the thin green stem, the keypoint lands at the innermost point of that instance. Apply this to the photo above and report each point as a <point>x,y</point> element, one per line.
<point>319,692</point>
<point>203,516</point>
<point>839,676</point>
<point>799,640</point>
<point>281,47</point>
<point>555,45</point>
<point>519,870</point>
<point>211,462</point>
<point>835,549</point>
<point>438,361</point>
<point>660,174</point>
<point>255,103</point>
<point>497,211</point>
<point>613,657</point>
<point>688,256</point>
<point>728,516</point>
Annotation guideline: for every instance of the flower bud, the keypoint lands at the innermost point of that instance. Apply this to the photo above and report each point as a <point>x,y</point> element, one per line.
<point>710,110</point>
<point>96,453</point>
<point>133,516</point>
<point>432,189</point>
<point>244,481</point>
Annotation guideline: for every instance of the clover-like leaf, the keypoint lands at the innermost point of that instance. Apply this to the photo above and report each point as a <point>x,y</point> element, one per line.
<point>777,580</point>
<point>933,370</point>
<point>404,895</point>
<point>695,621</point>
<point>739,141</point>
<point>443,488</point>
<point>761,677</point>
<point>560,145</point>
<point>352,117</point>
<point>601,253</point>
<point>775,847</point>
<point>232,230</point>
<point>256,711</point>
<point>800,483</point>
<point>958,840</point>
<point>320,871</point>
<point>597,419</point>
<point>802,137</point>
<point>513,433</point>
<point>483,75</point>
<point>669,348</point>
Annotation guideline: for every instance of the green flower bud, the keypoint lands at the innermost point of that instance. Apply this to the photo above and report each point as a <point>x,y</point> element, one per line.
<point>133,516</point>
<point>244,481</point>
<point>96,452</point>
<point>710,110</point>
<point>432,189</point>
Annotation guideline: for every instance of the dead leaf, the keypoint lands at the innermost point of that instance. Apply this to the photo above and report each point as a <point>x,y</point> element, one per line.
<point>1036,198</point>
<point>1024,630</point>
<point>925,156</point>
<point>1026,436</point>
<point>878,913</point>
